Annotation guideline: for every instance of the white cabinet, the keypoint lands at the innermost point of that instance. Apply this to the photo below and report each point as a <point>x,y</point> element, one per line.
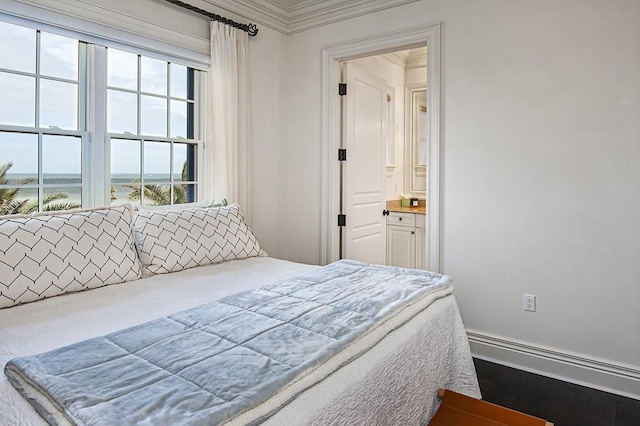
<point>401,246</point>
<point>406,240</point>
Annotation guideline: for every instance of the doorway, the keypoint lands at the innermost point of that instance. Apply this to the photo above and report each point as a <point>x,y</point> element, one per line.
<point>332,58</point>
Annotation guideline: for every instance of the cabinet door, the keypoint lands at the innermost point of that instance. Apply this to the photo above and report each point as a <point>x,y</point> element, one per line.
<point>421,242</point>
<point>401,246</point>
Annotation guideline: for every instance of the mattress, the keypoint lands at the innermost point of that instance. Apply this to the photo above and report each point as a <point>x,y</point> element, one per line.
<point>428,351</point>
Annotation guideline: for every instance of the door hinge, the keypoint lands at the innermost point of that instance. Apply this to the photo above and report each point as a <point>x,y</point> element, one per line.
<point>342,89</point>
<point>342,154</point>
<point>342,220</point>
<point>385,212</point>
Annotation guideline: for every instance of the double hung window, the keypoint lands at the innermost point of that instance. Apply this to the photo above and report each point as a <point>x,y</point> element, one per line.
<point>85,125</point>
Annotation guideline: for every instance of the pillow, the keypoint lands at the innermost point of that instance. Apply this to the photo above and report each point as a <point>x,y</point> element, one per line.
<point>173,240</point>
<point>49,254</point>
<point>205,203</point>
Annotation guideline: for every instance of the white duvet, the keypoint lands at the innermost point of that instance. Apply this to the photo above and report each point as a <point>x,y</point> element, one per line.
<point>395,382</point>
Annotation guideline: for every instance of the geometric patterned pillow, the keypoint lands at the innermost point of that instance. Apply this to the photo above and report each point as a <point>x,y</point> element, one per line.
<point>49,254</point>
<point>173,240</point>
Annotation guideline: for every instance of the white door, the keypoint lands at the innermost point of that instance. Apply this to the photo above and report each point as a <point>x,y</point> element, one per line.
<point>364,187</point>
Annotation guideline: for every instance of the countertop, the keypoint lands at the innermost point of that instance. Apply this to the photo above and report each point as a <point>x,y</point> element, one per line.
<point>395,206</point>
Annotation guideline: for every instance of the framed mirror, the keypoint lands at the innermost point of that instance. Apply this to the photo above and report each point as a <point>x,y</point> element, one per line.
<point>417,142</point>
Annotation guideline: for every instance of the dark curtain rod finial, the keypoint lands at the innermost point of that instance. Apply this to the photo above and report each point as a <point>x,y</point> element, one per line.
<point>251,29</point>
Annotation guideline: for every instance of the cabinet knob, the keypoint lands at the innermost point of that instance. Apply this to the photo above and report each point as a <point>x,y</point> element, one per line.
<point>412,232</point>
<point>400,219</point>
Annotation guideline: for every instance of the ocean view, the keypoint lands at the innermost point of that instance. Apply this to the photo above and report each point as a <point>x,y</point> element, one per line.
<point>75,192</point>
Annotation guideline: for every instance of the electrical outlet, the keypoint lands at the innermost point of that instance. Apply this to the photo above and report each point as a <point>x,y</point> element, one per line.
<point>529,302</point>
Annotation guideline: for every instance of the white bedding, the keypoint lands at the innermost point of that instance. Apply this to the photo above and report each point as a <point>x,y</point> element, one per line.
<point>393,383</point>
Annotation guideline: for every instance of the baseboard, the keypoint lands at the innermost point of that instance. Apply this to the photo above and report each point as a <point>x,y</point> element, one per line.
<point>598,374</point>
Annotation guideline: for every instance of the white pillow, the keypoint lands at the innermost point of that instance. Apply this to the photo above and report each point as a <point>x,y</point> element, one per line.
<point>205,203</point>
<point>49,254</point>
<point>173,240</point>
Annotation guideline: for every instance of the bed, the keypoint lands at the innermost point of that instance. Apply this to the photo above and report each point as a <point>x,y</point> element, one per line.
<point>393,381</point>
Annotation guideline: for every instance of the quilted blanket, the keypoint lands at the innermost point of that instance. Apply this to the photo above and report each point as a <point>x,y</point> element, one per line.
<point>209,364</point>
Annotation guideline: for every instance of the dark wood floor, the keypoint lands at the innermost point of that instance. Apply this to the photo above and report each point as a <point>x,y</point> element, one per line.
<point>562,403</point>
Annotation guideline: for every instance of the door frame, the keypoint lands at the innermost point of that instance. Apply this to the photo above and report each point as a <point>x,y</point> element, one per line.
<point>331,130</point>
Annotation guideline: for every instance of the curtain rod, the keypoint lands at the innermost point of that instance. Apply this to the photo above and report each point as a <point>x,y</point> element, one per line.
<point>251,29</point>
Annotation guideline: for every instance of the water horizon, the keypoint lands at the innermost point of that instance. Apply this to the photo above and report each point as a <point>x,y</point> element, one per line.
<point>118,180</point>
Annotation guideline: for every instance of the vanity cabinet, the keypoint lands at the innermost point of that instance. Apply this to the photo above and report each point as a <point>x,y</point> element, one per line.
<point>406,240</point>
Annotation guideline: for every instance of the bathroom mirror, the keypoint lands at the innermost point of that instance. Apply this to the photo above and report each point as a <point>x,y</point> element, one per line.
<point>416,147</point>
<point>420,132</point>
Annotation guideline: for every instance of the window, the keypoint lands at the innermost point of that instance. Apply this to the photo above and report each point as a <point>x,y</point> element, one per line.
<point>84,125</point>
<point>41,129</point>
<point>151,126</point>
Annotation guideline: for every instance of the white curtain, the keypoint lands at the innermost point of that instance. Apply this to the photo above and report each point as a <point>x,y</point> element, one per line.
<point>227,135</point>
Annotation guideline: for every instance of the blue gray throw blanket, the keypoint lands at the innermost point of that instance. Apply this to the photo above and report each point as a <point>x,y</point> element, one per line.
<point>209,364</point>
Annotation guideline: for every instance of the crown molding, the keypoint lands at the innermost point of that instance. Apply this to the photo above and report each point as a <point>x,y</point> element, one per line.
<point>301,16</point>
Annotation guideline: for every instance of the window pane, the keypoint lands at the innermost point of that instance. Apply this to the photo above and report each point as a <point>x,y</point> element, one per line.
<point>122,69</point>
<point>58,104</point>
<point>153,120</point>
<point>61,198</point>
<point>129,193</point>
<point>122,112</point>
<point>180,166</point>
<point>178,119</point>
<point>18,48</point>
<point>21,149</point>
<point>181,194</point>
<point>178,81</point>
<point>157,194</point>
<point>58,56</point>
<point>157,162</point>
<point>19,201</point>
<point>61,159</point>
<point>185,193</point>
<point>153,76</point>
<point>18,100</point>
<point>125,171</point>
<point>125,161</point>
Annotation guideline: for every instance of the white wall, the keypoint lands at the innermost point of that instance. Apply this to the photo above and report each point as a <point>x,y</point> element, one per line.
<point>541,165</point>
<point>393,74</point>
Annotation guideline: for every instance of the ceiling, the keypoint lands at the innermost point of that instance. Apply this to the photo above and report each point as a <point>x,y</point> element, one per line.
<point>410,58</point>
<point>291,16</point>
